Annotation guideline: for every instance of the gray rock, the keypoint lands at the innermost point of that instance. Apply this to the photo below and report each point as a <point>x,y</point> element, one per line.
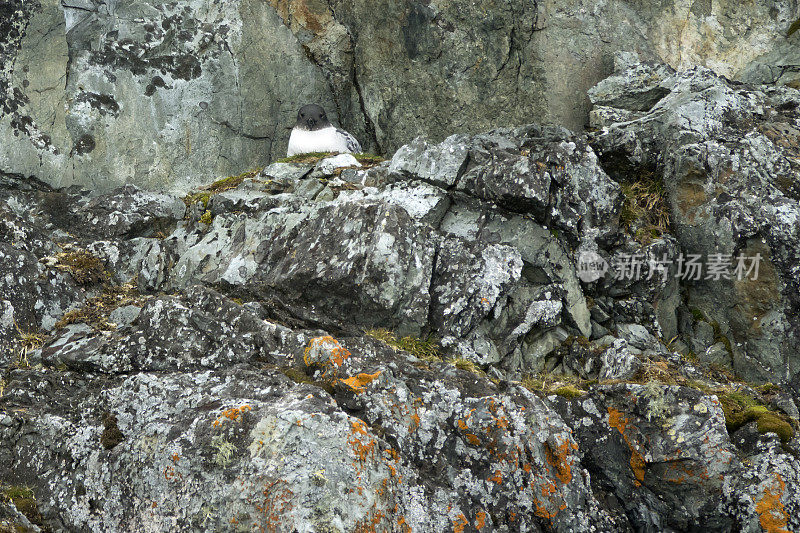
<point>703,336</point>
<point>619,362</point>
<point>637,335</point>
<point>717,354</point>
<point>440,164</point>
<point>745,206</point>
<point>647,442</point>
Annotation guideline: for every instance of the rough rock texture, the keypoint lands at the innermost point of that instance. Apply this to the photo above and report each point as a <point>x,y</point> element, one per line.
<point>727,156</point>
<point>397,346</point>
<point>167,94</point>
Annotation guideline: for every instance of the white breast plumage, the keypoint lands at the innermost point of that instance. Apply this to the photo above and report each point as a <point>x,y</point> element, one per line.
<point>328,139</point>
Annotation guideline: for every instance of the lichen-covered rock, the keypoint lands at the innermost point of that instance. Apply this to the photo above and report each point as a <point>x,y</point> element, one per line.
<point>385,348</point>
<point>166,95</point>
<point>725,154</point>
<point>664,451</point>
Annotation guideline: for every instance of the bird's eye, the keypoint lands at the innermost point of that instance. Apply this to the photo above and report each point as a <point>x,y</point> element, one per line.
<point>302,115</point>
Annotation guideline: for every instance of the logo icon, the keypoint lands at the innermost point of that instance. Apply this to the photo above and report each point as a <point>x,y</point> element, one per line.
<point>591,267</point>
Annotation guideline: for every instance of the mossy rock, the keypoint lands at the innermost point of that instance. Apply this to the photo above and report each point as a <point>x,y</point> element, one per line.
<point>569,392</point>
<point>364,158</point>
<point>298,376</point>
<point>469,366</point>
<point>741,409</point>
<point>85,268</point>
<point>24,500</point>
<point>425,349</point>
<point>310,157</point>
<point>223,184</point>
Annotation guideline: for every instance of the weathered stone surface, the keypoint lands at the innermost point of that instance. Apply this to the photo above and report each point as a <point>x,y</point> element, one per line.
<point>663,451</point>
<point>226,365</point>
<point>726,153</point>
<point>165,95</point>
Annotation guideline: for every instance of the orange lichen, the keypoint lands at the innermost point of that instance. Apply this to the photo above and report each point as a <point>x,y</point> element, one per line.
<point>480,520</point>
<point>402,525</point>
<point>637,462</point>
<point>231,414</point>
<point>338,354</point>
<point>459,523</point>
<point>276,506</point>
<point>559,458</point>
<point>362,444</point>
<point>497,477</point>
<point>414,421</point>
<point>370,522</point>
<point>359,383</point>
<point>772,514</point>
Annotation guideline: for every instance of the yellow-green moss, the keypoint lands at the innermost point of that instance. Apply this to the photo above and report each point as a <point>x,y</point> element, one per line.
<point>569,392</point>
<point>26,342</point>
<point>566,386</point>
<point>741,409</point>
<point>84,267</point>
<point>298,376</point>
<point>311,157</point>
<point>201,196</point>
<point>427,350</point>
<point>207,217</point>
<point>95,310</point>
<point>223,184</point>
<point>697,314</point>
<point>466,364</point>
<point>644,210</point>
<point>368,159</point>
<point>25,501</point>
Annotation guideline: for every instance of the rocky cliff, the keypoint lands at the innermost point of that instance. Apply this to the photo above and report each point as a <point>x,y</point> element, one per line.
<point>345,344</point>
<point>169,94</point>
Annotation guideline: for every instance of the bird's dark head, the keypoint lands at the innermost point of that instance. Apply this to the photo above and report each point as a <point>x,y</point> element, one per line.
<point>312,117</point>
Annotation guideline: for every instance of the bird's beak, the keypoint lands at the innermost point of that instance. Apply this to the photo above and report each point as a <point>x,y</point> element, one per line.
<point>311,122</point>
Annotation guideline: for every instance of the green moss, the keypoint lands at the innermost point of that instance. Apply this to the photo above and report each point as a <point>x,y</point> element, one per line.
<point>547,384</point>
<point>25,501</point>
<point>570,392</point>
<point>298,376</point>
<point>427,350</point>
<point>741,409</point>
<point>84,267</point>
<point>223,184</point>
<point>311,157</point>
<point>195,197</point>
<point>698,385</point>
<point>770,422</point>
<point>466,364</point>
<point>793,28</point>
<point>368,159</point>
<point>207,217</point>
<point>697,314</point>
<point>15,492</point>
<point>768,388</point>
